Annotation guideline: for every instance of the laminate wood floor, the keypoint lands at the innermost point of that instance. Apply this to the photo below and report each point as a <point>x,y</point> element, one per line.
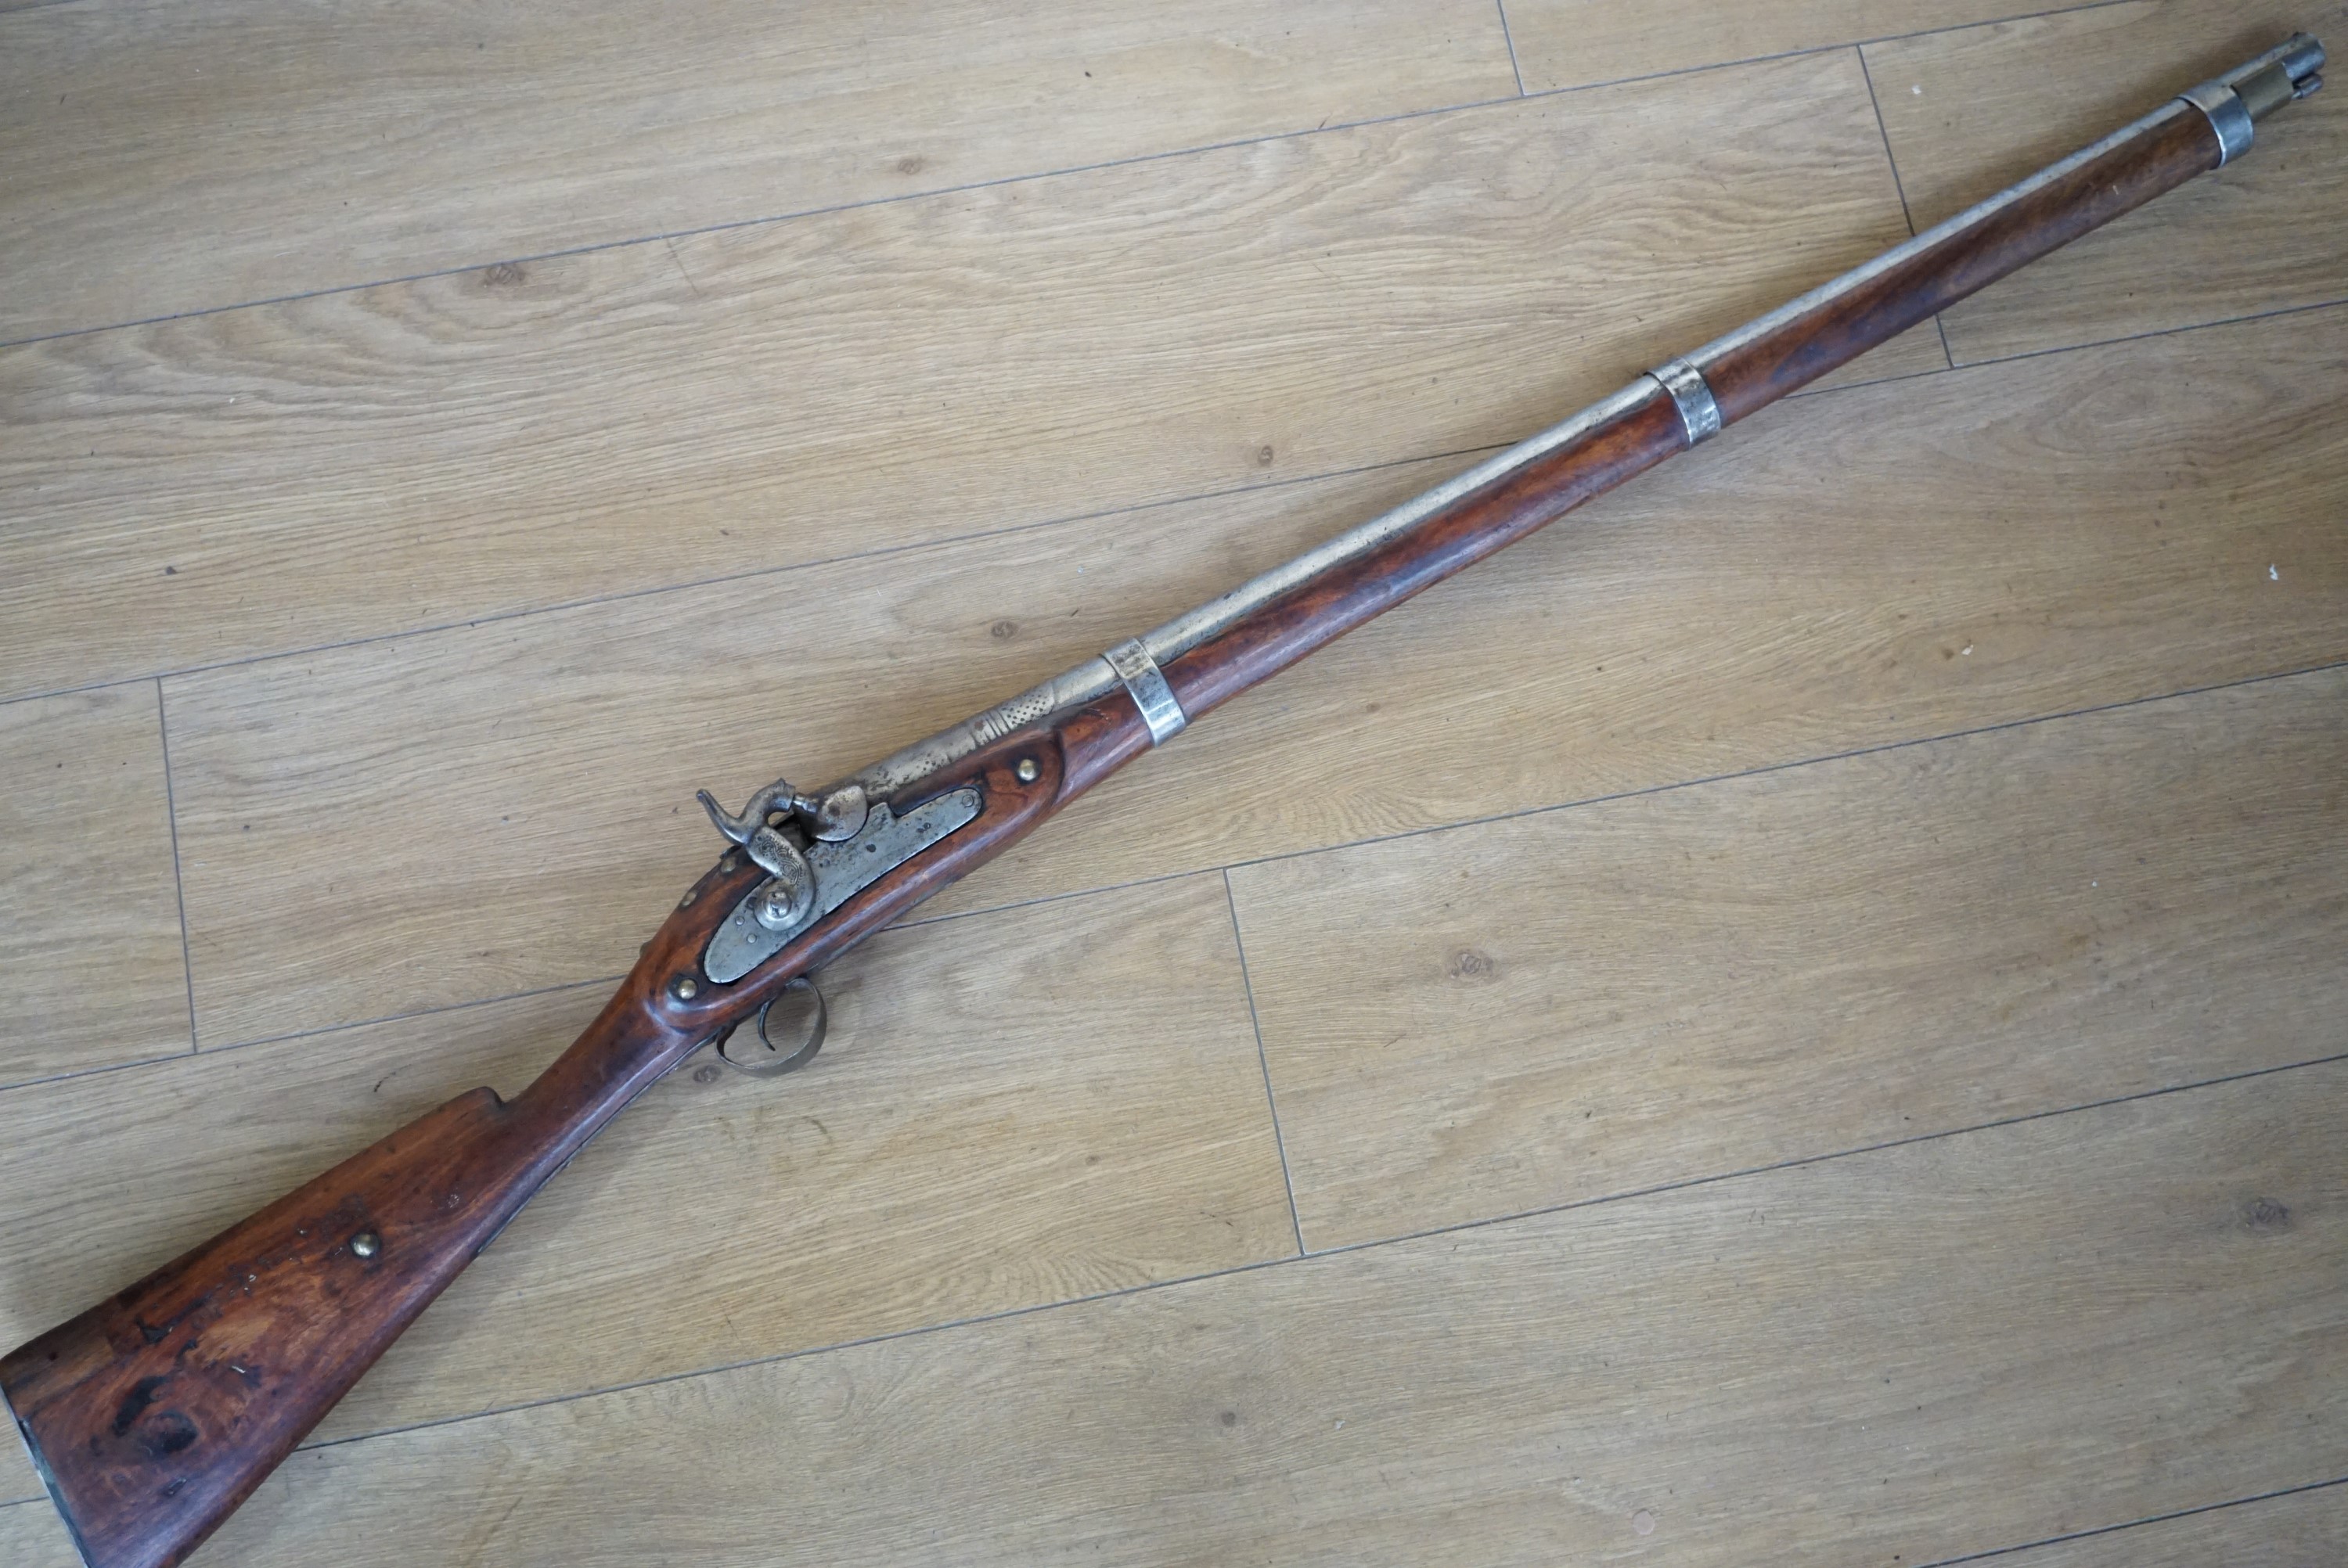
<point>1801,1015</point>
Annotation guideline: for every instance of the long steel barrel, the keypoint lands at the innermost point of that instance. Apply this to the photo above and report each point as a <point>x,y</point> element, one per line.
<point>1209,654</point>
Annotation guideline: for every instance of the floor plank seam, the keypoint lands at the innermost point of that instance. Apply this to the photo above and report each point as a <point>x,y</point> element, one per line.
<point>178,881</point>
<point>1763,768</point>
<point>1757,770</point>
<point>1842,386</point>
<point>1007,1315</point>
<point>620,596</point>
<point>2138,1524</point>
<point>2265,315</point>
<point>1509,38</point>
<point>1459,1228</point>
<point>235,1045</point>
<point>435,1011</point>
<point>1271,1101</point>
<point>747,574</point>
<point>1941,1563</point>
<point>1898,185</point>
<point>1799,1161</point>
<point>681,270</point>
<point>70,1074</point>
<point>796,214</point>
<point>1826,48</point>
<point>1890,159</point>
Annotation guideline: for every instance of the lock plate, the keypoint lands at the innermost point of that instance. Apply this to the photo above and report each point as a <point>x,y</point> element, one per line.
<point>841,871</point>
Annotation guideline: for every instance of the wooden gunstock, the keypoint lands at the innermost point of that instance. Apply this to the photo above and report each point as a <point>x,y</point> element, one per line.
<point>154,1414</point>
<point>151,1416</point>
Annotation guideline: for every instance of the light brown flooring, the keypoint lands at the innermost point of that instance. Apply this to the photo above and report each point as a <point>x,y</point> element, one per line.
<point>1800,1016</point>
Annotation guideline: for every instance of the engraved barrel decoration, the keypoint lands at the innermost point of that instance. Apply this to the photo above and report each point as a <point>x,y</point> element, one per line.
<point>152,1415</point>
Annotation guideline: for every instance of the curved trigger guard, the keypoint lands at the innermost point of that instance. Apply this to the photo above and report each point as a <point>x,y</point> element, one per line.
<point>774,1059</point>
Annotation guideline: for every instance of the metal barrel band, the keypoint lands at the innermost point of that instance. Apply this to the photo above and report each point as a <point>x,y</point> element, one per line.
<point>1145,684</point>
<point>1699,415</point>
<point>2228,115</point>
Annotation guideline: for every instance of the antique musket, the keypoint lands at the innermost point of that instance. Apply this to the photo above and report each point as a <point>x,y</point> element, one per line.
<point>153,1415</point>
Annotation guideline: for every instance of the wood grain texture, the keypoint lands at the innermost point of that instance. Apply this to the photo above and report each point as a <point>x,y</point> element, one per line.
<point>153,1413</point>
<point>2094,527</point>
<point>91,970</point>
<point>2303,1529</point>
<point>1969,112</point>
<point>1044,1106</point>
<point>1345,596</point>
<point>264,148</point>
<point>1947,266</point>
<point>1556,1008</point>
<point>436,451</point>
<point>2103,1316</point>
<point>1569,43</point>
<point>1949,1347</point>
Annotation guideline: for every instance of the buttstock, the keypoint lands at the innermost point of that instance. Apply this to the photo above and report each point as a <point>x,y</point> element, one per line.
<point>154,1414</point>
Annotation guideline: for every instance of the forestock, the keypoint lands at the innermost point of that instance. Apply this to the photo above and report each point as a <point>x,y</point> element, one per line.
<point>152,1415</point>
